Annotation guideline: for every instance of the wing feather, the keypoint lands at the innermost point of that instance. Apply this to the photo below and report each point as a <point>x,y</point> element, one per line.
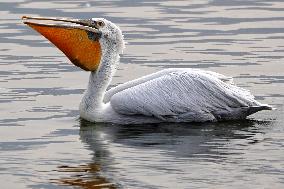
<point>136,82</point>
<point>184,95</point>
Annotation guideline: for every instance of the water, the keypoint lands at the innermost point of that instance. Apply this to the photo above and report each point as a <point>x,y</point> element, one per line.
<point>44,144</point>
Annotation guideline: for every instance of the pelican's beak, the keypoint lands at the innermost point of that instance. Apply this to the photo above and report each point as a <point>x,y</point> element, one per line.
<point>78,39</point>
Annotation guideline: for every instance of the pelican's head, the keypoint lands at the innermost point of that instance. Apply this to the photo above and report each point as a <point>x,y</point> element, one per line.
<point>111,35</point>
<point>82,41</point>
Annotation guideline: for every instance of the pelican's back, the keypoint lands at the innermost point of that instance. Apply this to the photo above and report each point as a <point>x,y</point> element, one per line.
<point>187,95</point>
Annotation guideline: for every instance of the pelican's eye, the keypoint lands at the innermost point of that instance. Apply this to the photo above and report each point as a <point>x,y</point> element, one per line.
<point>100,23</point>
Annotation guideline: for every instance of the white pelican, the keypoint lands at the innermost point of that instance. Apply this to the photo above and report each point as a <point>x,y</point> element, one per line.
<point>170,95</point>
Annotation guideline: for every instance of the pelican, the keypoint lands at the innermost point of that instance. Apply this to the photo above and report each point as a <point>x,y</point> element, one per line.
<point>170,95</point>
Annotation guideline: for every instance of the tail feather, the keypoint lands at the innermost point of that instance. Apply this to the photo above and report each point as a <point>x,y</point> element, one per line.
<point>254,109</point>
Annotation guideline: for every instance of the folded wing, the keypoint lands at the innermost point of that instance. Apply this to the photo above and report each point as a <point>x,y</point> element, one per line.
<point>184,95</point>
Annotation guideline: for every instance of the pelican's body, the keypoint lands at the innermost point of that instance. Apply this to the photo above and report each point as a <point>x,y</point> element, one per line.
<point>170,95</point>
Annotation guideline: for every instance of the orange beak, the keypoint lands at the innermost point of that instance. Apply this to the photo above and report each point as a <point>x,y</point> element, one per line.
<point>79,41</point>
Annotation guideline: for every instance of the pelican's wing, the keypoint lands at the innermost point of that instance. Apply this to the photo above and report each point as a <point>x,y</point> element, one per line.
<point>191,95</point>
<point>136,82</point>
<point>223,78</point>
<point>158,74</point>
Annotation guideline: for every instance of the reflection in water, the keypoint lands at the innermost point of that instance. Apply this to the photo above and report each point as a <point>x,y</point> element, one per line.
<point>85,176</point>
<point>175,143</point>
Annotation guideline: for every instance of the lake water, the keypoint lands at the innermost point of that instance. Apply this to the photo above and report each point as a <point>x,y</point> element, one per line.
<point>44,144</point>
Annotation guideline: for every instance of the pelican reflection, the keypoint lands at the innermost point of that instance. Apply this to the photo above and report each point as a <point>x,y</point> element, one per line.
<point>122,153</point>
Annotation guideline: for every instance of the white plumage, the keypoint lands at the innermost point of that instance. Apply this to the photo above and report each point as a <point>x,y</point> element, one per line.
<point>183,95</point>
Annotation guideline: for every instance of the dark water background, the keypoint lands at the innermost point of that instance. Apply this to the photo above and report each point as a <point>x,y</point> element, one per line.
<point>43,143</point>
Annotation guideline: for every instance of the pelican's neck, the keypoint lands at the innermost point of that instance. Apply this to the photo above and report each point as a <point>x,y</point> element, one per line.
<point>99,81</point>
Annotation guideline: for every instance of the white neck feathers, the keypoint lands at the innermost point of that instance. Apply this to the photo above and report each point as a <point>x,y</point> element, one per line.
<point>100,79</point>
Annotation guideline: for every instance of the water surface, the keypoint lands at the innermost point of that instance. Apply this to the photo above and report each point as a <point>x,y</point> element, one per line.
<point>44,144</point>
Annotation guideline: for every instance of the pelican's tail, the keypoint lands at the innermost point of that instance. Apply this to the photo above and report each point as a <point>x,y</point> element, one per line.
<point>254,109</point>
